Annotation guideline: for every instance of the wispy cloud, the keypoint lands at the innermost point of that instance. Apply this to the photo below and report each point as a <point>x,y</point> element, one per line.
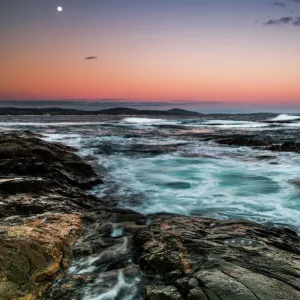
<point>280,4</point>
<point>284,20</point>
<point>284,3</point>
<point>296,21</point>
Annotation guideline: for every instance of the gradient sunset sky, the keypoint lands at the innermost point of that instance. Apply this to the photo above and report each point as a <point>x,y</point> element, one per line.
<point>238,51</point>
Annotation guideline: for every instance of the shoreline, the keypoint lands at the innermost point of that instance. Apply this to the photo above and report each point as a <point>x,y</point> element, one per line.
<point>46,198</point>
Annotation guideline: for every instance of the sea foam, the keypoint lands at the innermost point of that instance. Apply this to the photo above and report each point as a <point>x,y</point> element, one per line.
<point>285,117</point>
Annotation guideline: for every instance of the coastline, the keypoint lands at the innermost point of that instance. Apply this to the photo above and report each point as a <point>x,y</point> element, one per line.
<point>47,211</point>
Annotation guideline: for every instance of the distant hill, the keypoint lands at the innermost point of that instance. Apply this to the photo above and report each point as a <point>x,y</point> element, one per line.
<point>110,111</point>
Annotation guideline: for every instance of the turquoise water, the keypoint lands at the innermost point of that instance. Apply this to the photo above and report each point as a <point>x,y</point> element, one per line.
<point>157,165</point>
<point>232,184</point>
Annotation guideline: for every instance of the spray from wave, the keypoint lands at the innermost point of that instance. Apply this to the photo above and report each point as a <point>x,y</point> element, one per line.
<point>285,117</point>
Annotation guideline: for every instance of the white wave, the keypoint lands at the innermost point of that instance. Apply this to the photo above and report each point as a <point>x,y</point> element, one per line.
<point>234,124</point>
<point>71,139</point>
<point>227,124</point>
<point>252,125</point>
<point>294,124</point>
<point>143,120</point>
<point>285,117</point>
<point>148,121</point>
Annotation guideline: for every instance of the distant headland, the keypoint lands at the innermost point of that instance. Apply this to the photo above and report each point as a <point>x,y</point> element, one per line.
<point>110,111</point>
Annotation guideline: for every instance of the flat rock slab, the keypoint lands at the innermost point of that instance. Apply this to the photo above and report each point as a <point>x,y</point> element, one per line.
<point>197,258</point>
<point>33,251</point>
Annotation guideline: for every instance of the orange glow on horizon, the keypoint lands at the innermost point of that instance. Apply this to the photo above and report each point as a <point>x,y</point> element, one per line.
<point>241,64</point>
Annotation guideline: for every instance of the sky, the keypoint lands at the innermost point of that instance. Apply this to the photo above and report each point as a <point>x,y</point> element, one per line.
<point>214,51</point>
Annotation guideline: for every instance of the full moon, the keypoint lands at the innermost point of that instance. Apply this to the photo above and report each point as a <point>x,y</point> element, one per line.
<point>59,8</point>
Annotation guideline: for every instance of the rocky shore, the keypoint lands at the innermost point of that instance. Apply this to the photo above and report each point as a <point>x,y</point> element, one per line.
<point>57,241</point>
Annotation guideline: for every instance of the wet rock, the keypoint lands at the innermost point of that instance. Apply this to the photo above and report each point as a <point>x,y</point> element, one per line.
<point>103,260</point>
<point>173,275</point>
<point>220,259</point>
<point>43,200</point>
<point>264,142</point>
<point>295,182</point>
<point>27,155</point>
<point>286,147</point>
<point>182,257</point>
<point>131,227</point>
<point>239,140</point>
<point>160,292</point>
<point>265,157</point>
<point>34,252</point>
<point>196,294</point>
<point>47,216</point>
<point>193,283</point>
<point>38,177</point>
<point>24,185</point>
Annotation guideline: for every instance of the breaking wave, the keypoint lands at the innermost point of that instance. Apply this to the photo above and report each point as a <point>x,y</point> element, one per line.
<point>285,117</point>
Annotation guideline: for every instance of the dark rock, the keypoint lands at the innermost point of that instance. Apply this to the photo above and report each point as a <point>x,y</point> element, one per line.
<point>239,140</point>
<point>263,142</point>
<point>196,294</point>
<point>27,155</point>
<point>43,201</point>
<point>160,292</point>
<point>220,259</point>
<point>47,216</point>
<point>295,182</point>
<point>286,147</point>
<point>111,148</point>
<point>173,275</point>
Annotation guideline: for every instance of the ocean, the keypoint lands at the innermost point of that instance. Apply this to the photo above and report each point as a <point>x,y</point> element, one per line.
<point>175,165</point>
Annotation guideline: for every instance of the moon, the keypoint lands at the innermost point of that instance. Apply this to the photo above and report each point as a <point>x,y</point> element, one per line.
<point>59,8</point>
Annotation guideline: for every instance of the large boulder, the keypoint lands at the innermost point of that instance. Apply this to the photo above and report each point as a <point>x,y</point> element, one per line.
<point>27,155</point>
<point>212,260</point>
<point>38,177</point>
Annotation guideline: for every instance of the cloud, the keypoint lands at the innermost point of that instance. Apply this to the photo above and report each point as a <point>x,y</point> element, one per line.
<point>291,20</point>
<point>296,21</point>
<point>284,20</point>
<point>297,1</point>
<point>280,4</point>
<point>284,3</point>
<point>91,57</point>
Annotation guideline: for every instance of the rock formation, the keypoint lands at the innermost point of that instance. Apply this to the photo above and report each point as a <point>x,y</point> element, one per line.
<point>207,259</point>
<point>43,200</point>
<point>59,242</point>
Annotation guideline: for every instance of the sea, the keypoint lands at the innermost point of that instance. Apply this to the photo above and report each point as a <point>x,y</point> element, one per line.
<point>174,164</point>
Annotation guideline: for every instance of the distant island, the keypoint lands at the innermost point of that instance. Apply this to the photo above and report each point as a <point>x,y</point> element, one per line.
<point>110,111</point>
<point>119,111</point>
